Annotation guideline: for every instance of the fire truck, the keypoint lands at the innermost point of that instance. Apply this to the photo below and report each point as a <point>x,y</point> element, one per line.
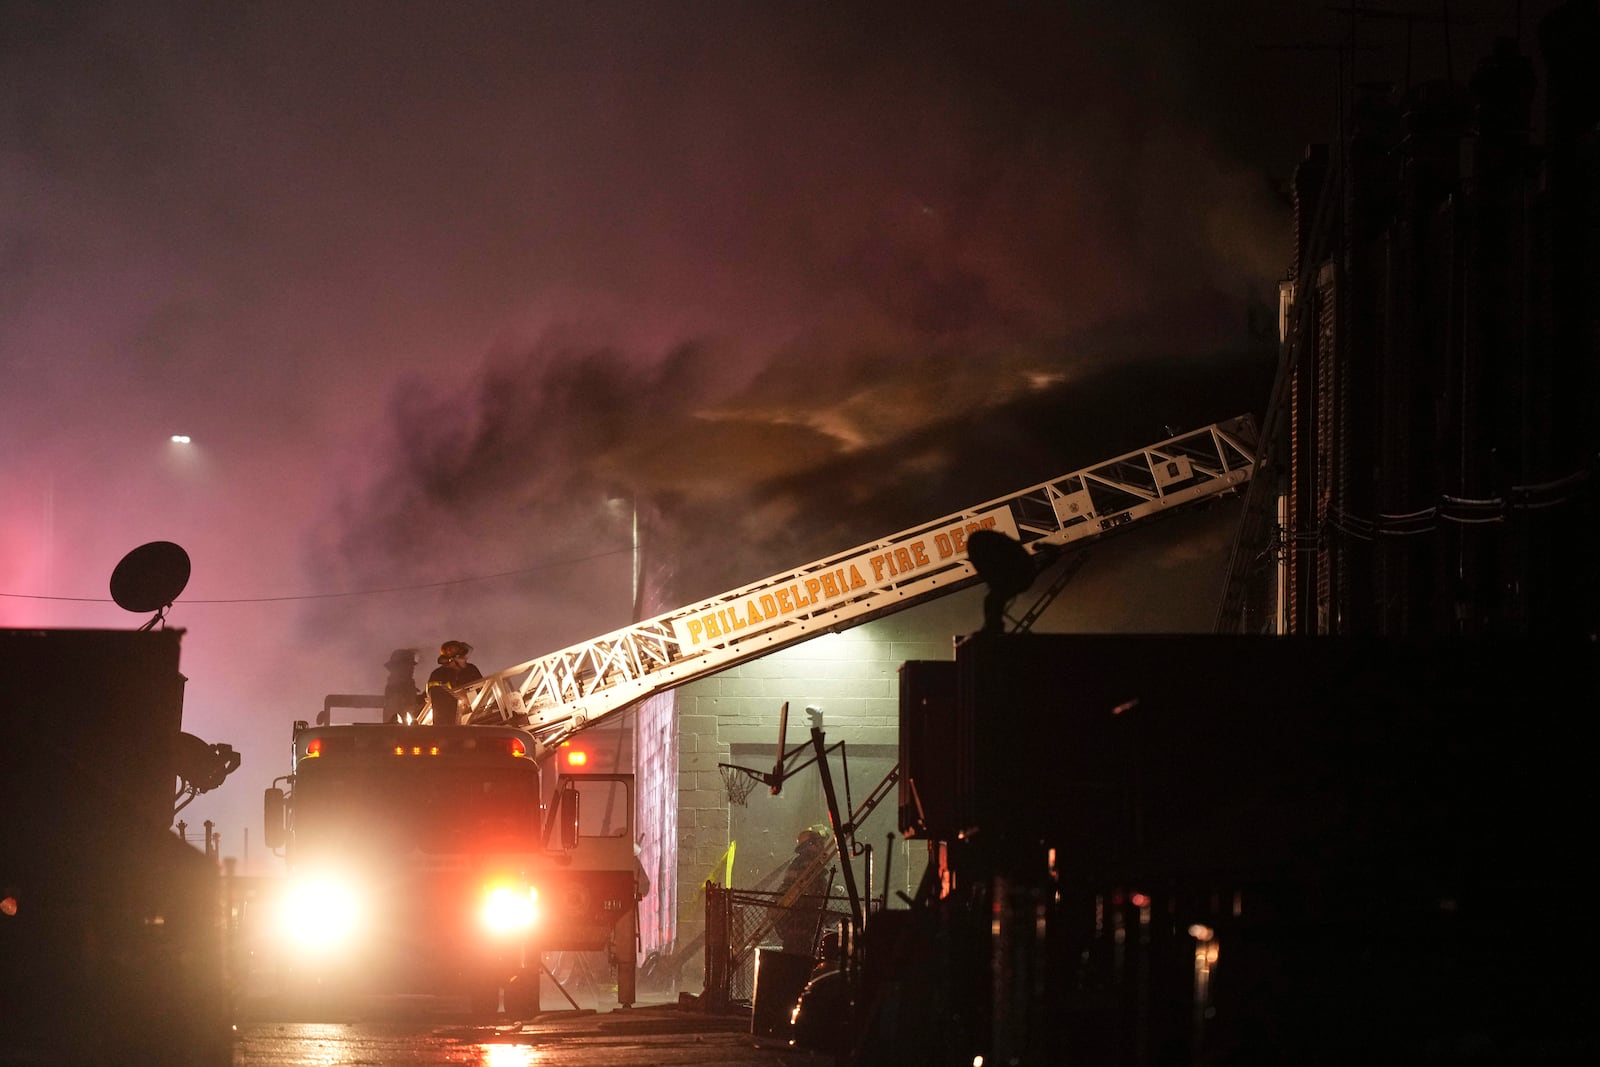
<point>428,850</point>
<point>425,859</point>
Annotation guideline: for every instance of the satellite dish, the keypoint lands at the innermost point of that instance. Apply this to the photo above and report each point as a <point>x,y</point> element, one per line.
<point>204,766</point>
<point>1001,562</point>
<point>150,578</point>
<point>201,767</point>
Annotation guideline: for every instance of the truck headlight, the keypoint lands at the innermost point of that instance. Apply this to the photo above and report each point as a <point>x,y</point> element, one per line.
<point>321,912</point>
<point>509,909</point>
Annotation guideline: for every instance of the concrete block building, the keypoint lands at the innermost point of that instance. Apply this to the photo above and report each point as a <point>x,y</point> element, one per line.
<point>1166,578</point>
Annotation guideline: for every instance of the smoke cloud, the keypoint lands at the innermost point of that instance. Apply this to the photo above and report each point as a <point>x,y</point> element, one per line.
<point>442,292</point>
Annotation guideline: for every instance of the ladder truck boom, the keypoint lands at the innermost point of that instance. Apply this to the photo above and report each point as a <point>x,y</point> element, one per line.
<point>559,694</point>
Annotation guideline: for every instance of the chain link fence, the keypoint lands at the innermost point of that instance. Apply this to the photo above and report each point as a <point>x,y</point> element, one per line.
<point>739,921</point>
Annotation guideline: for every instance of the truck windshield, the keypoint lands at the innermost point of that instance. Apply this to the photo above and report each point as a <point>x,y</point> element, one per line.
<point>432,805</point>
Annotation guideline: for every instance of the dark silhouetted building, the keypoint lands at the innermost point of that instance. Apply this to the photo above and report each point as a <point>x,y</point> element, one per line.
<point>1428,463</point>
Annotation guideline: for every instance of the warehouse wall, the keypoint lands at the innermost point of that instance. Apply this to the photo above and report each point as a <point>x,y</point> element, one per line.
<point>1166,577</point>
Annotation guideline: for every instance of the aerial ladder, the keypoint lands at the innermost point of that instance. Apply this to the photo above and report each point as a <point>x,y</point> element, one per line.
<point>559,694</point>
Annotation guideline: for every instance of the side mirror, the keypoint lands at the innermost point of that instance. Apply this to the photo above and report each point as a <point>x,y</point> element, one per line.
<point>567,815</point>
<point>275,814</point>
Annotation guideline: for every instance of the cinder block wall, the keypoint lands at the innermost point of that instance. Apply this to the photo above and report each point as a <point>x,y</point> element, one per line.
<point>1165,578</point>
<point>853,676</point>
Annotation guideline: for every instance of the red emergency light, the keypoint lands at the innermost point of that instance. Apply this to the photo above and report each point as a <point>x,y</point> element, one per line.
<point>577,757</point>
<point>313,747</point>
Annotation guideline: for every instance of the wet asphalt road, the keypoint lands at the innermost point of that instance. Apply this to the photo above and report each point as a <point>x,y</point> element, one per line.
<point>418,1033</point>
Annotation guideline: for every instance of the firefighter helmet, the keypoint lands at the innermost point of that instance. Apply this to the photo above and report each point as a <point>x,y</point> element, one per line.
<point>451,649</point>
<point>811,837</point>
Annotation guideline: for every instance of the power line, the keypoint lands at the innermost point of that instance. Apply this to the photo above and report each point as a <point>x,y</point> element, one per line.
<point>351,593</point>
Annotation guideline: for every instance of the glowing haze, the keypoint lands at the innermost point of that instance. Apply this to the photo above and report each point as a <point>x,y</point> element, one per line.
<point>441,291</point>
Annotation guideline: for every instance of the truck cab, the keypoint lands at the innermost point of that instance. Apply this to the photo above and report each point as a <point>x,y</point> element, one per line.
<point>429,859</point>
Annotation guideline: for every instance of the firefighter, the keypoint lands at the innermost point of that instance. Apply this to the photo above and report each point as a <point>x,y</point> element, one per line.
<point>804,890</point>
<point>452,673</point>
<point>401,701</point>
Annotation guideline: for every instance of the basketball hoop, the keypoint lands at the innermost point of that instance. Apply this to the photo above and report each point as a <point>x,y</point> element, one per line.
<point>739,781</point>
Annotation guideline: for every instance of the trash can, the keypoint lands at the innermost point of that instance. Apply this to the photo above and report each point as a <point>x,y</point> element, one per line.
<point>780,976</point>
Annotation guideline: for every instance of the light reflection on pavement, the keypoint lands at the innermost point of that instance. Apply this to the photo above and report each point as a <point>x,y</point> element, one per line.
<point>509,1055</point>
<point>659,1037</point>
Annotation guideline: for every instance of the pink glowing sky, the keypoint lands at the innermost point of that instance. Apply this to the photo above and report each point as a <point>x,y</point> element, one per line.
<point>439,289</point>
